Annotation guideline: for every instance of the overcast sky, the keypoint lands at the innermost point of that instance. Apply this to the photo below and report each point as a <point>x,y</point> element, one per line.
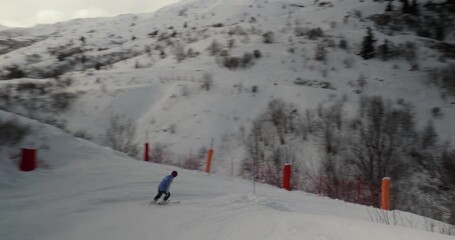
<point>25,13</point>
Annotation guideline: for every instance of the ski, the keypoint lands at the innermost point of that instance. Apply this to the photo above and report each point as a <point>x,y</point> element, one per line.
<point>168,202</point>
<point>164,202</point>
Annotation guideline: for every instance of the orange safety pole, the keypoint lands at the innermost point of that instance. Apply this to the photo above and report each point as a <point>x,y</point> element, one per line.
<point>287,176</point>
<point>209,161</point>
<point>28,159</point>
<point>385,194</point>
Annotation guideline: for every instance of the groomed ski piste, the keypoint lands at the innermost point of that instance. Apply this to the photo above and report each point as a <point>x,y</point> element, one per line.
<point>84,191</point>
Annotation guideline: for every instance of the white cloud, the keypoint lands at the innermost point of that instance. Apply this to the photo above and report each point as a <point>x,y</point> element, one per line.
<point>91,13</point>
<point>20,13</point>
<point>11,24</point>
<point>50,16</point>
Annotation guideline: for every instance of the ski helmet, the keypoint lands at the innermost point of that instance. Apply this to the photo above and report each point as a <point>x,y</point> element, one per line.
<point>174,173</point>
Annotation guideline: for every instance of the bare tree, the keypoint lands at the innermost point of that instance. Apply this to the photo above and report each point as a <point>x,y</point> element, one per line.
<point>320,53</point>
<point>382,139</point>
<point>214,48</point>
<point>179,52</point>
<point>120,135</point>
<point>157,153</point>
<point>267,145</point>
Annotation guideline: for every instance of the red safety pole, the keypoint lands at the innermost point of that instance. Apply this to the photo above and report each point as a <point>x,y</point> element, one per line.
<point>287,176</point>
<point>359,188</point>
<point>28,159</point>
<point>146,152</point>
<point>320,185</point>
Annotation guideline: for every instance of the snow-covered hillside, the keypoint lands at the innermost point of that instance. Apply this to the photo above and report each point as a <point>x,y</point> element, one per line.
<point>89,192</point>
<point>160,93</point>
<point>203,71</point>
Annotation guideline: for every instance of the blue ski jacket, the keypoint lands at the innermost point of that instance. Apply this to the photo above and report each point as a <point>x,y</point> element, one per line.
<point>165,183</point>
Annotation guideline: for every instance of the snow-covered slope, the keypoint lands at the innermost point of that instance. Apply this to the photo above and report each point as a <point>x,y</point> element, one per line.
<point>89,192</point>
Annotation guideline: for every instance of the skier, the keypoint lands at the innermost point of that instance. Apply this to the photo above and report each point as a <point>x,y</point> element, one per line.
<point>164,186</point>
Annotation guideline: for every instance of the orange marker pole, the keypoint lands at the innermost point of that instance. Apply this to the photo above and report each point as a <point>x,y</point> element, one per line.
<point>208,164</point>
<point>209,161</point>
<point>385,194</point>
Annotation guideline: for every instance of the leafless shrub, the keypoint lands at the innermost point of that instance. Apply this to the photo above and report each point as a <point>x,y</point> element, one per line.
<point>436,111</point>
<point>214,48</point>
<point>315,33</point>
<point>184,90</point>
<point>268,37</point>
<point>192,163</point>
<point>348,62</point>
<point>61,101</point>
<point>443,77</point>
<point>257,54</point>
<point>172,128</point>
<point>158,153</point>
<point>179,52</point>
<point>246,60</point>
<point>231,62</point>
<point>320,53</point>
<point>343,44</point>
<point>207,81</point>
<point>12,132</point>
<point>83,134</point>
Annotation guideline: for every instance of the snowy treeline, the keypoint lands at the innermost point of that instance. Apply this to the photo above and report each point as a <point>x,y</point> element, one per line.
<point>379,139</point>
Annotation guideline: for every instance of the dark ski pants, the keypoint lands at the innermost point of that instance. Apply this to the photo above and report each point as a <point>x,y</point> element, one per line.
<point>166,195</point>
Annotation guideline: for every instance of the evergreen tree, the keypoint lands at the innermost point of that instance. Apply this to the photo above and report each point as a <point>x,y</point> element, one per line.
<point>384,50</point>
<point>320,53</point>
<point>389,6</point>
<point>405,8</point>
<point>429,136</point>
<point>451,5</point>
<point>440,32</point>
<point>414,8</point>
<point>368,49</point>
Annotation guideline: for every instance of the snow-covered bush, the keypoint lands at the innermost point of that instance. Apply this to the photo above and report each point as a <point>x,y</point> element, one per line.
<point>268,37</point>
<point>207,81</point>
<point>61,101</point>
<point>12,132</point>
<point>257,54</point>
<point>13,72</point>
<point>343,44</point>
<point>320,53</point>
<point>315,33</point>
<point>214,48</point>
<point>83,134</point>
